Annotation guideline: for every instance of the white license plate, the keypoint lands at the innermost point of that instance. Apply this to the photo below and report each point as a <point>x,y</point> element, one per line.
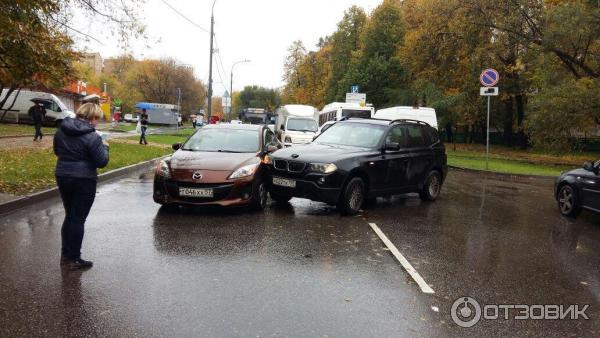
<point>196,192</point>
<point>284,182</point>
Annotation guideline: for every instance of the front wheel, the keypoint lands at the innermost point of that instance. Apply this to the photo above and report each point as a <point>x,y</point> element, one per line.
<point>567,202</point>
<point>259,196</point>
<point>352,198</point>
<point>432,187</point>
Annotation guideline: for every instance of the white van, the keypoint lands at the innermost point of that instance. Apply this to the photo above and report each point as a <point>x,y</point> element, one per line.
<point>424,114</point>
<point>336,110</point>
<point>56,110</point>
<point>296,124</point>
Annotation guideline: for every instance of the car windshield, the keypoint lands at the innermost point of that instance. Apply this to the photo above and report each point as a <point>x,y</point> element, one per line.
<point>352,134</point>
<point>302,125</point>
<point>223,140</point>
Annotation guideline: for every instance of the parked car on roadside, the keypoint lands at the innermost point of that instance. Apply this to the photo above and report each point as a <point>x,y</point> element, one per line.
<point>357,160</point>
<point>578,189</point>
<point>220,164</point>
<point>131,118</point>
<point>56,110</point>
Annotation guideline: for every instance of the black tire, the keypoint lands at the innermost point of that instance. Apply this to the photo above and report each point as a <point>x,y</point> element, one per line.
<point>352,197</point>
<point>431,187</point>
<point>259,195</point>
<point>568,203</point>
<point>279,198</point>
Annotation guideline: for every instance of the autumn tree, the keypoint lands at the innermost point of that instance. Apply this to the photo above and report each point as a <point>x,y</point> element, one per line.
<point>36,46</point>
<point>158,80</point>
<point>291,76</point>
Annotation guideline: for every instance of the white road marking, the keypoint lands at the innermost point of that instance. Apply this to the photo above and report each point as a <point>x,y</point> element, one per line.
<point>405,264</point>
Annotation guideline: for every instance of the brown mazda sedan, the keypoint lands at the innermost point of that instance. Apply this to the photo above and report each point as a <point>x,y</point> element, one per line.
<point>218,165</point>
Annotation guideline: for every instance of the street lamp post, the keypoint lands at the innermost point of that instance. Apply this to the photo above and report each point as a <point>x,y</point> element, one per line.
<point>212,26</point>
<point>231,84</point>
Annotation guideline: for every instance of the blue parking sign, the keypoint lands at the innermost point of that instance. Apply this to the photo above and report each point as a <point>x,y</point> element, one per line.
<point>354,89</point>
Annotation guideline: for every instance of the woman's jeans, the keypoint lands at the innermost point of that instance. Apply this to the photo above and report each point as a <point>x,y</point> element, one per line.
<point>78,196</point>
<point>143,136</point>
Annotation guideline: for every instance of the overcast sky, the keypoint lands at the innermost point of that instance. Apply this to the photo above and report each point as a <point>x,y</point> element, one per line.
<point>259,30</point>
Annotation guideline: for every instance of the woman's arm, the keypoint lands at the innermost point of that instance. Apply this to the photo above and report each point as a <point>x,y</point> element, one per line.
<point>99,152</point>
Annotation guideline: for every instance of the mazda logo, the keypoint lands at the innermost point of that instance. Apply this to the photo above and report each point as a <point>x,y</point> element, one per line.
<point>197,175</point>
<point>295,156</point>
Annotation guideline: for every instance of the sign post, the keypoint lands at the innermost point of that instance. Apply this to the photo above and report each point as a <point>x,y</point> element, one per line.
<point>489,78</point>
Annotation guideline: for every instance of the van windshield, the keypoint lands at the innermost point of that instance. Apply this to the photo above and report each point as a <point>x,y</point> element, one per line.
<point>298,124</point>
<point>360,113</point>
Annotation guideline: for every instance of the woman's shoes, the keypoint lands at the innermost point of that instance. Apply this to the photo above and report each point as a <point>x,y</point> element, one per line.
<point>75,264</point>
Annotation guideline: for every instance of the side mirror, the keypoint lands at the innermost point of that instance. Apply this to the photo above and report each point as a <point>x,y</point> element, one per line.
<point>282,127</point>
<point>176,146</point>
<point>589,166</point>
<point>392,146</point>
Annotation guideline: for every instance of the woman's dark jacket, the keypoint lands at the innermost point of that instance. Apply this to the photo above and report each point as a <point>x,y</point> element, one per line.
<point>79,149</point>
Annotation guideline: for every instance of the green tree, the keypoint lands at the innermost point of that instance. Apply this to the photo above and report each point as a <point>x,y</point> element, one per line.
<point>257,97</point>
<point>344,41</point>
<point>376,67</point>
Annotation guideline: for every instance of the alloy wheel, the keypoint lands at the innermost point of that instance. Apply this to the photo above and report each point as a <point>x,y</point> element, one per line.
<point>434,186</point>
<point>356,197</point>
<point>566,200</point>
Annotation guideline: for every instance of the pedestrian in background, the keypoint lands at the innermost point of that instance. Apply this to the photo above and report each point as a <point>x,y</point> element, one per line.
<point>37,113</point>
<point>80,151</point>
<point>144,124</point>
<point>194,121</point>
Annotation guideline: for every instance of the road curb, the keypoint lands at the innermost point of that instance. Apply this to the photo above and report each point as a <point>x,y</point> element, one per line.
<point>503,175</point>
<point>53,192</point>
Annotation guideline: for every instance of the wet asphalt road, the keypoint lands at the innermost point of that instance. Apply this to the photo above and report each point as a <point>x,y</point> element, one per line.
<point>300,269</point>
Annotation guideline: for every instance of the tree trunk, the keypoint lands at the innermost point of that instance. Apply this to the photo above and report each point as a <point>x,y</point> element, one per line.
<point>522,138</point>
<point>508,122</point>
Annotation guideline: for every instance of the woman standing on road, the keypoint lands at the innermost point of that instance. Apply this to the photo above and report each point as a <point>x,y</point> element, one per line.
<point>80,151</point>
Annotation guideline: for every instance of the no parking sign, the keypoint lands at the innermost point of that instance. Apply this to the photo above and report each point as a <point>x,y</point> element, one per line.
<point>489,77</point>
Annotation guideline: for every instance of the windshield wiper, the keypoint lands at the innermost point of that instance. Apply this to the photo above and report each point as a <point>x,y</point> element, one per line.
<point>228,151</point>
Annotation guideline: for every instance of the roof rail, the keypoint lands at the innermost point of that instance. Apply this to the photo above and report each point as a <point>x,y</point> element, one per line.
<point>409,120</point>
<point>345,118</point>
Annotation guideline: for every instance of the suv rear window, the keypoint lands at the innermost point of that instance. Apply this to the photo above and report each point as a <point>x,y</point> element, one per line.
<point>415,136</point>
<point>431,136</point>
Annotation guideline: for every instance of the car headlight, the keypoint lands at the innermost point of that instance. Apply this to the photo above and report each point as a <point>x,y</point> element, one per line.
<point>245,171</point>
<point>163,169</point>
<point>324,168</point>
<point>267,160</point>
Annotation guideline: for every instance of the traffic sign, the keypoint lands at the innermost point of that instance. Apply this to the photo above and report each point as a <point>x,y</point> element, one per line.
<point>226,101</point>
<point>360,98</point>
<point>488,91</point>
<point>354,89</point>
<point>489,77</point>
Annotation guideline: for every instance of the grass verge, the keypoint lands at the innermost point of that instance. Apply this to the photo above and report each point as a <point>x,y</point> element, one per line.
<point>514,161</point>
<point>23,171</point>
<point>7,129</point>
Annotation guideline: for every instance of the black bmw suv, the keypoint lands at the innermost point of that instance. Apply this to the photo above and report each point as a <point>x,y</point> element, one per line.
<point>357,160</point>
